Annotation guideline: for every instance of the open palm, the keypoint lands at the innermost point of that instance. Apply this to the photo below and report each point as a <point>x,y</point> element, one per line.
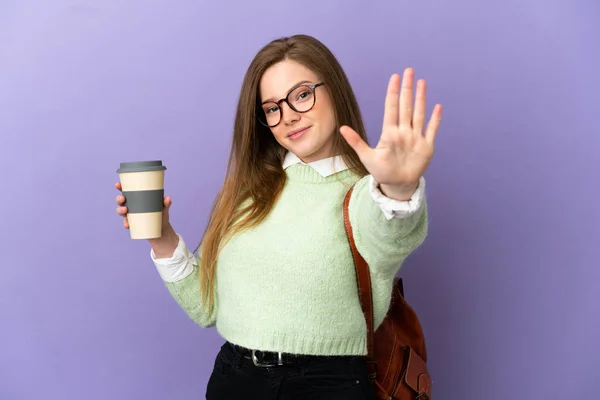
<point>405,147</point>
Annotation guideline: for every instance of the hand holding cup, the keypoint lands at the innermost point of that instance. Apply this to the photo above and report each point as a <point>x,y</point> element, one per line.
<point>142,202</point>
<point>122,210</point>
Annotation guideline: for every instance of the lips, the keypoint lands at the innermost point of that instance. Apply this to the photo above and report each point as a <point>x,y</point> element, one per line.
<point>297,133</point>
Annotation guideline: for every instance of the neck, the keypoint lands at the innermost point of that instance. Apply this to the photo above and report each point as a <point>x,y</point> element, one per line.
<point>319,157</point>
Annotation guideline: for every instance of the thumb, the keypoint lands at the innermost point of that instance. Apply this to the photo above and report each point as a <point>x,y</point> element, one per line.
<point>361,148</point>
<point>167,203</point>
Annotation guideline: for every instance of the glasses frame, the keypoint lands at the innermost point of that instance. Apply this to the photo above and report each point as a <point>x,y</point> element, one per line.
<point>285,99</point>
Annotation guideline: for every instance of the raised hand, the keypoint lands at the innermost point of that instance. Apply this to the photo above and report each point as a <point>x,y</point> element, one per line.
<point>406,146</point>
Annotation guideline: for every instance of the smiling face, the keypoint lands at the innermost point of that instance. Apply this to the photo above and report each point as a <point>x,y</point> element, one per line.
<point>309,135</point>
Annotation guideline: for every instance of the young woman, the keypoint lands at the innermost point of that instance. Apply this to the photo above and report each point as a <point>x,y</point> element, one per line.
<point>274,273</point>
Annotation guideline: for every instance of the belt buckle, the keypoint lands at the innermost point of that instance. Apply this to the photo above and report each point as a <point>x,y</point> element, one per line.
<point>262,365</point>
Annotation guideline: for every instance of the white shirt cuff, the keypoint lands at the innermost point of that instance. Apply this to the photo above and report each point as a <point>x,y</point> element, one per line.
<point>394,208</point>
<point>178,266</point>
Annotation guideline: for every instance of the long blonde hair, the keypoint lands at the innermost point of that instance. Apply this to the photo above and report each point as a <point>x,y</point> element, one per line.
<point>254,171</point>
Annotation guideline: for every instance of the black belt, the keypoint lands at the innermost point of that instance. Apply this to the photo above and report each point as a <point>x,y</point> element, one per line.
<point>274,359</point>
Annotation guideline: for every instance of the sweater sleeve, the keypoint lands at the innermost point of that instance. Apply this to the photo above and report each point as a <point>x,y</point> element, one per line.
<point>180,275</point>
<point>385,241</point>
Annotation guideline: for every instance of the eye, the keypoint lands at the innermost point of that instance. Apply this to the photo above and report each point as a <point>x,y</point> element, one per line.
<point>303,95</point>
<point>271,109</point>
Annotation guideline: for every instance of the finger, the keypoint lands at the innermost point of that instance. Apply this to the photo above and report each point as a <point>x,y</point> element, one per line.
<point>390,113</point>
<point>167,203</point>
<point>434,123</point>
<point>120,200</point>
<point>125,223</point>
<point>361,148</point>
<point>406,98</point>
<point>420,107</point>
<point>122,211</point>
<point>118,186</point>
<point>165,213</point>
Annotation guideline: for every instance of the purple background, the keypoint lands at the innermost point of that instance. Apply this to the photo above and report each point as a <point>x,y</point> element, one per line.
<point>505,284</point>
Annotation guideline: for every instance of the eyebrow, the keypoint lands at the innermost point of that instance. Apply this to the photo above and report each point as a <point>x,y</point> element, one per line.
<point>270,99</point>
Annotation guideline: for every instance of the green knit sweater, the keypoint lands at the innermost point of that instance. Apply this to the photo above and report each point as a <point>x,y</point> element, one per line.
<point>289,284</point>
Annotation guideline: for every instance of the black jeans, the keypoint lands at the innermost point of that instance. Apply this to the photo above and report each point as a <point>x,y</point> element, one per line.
<point>236,377</point>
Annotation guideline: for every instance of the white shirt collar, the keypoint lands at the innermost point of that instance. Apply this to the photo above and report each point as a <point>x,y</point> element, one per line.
<point>325,167</point>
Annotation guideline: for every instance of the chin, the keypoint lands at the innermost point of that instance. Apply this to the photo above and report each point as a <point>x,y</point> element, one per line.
<point>309,155</point>
<point>303,151</point>
<point>307,148</point>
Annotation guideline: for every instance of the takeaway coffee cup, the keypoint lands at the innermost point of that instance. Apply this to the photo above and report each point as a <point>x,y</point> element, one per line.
<point>142,184</point>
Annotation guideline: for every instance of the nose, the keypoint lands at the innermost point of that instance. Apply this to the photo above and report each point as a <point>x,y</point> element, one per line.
<point>288,116</point>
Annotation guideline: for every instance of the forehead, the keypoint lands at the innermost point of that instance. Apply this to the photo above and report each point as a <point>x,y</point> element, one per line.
<point>281,77</point>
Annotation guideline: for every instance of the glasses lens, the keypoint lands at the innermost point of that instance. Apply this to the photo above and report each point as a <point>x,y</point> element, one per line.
<point>270,114</point>
<point>302,98</point>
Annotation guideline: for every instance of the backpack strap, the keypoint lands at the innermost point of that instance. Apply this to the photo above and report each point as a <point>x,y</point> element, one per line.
<point>363,277</point>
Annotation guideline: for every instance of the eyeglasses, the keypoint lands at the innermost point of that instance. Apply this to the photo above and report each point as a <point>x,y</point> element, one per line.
<point>300,99</point>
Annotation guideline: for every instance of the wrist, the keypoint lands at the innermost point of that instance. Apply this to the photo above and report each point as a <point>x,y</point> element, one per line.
<point>399,192</point>
<point>165,246</point>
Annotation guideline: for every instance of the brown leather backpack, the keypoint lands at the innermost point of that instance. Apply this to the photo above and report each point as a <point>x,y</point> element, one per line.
<point>397,354</point>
